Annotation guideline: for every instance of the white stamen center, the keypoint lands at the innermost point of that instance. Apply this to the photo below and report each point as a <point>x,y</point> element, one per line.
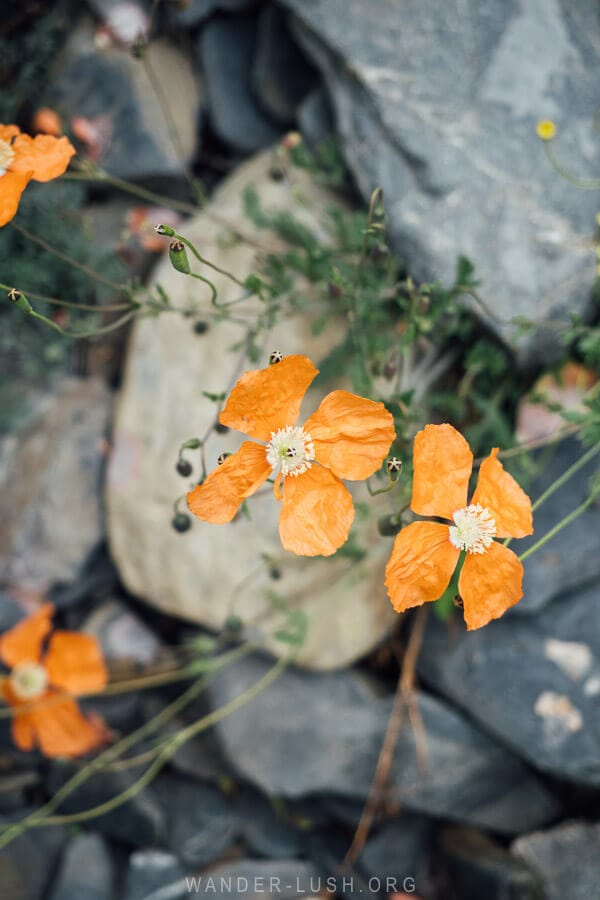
<point>7,154</point>
<point>290,451</point>
<point>474,528</point>
<point>28,680</point>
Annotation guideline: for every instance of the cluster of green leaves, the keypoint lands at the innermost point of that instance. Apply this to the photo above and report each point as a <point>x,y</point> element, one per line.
<point>354,276</point>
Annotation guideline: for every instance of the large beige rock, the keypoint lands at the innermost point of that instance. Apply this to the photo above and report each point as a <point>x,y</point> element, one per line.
<point>215,570</point>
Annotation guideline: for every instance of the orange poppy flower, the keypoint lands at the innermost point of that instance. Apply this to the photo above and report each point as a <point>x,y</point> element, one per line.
<point>347,437</point>
<point>425,554</point>
<point>39,685</point>
<point>23,158</point>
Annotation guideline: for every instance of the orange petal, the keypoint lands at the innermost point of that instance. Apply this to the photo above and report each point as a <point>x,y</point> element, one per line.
<point>268,399</point>
<point>218,498</point>
<point>489,584</point>
<point>12,185</point>
<point>46,156</point>
<point>23,642</point>
<point>421,565</point>
<point>442,466</point>
<point>351,435</point>
<point>7,132</point>
<point>58,727</point>
<point>508,503</point>
<point>74,662</point>
<point>316,513</point>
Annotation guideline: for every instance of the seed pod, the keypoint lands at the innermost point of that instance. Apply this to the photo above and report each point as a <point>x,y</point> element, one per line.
<point>179,258</point>
<point>184,468</point>
<point>20,300</point>
<point>393,465</point>
<point>222,457</point>
<point>165,229</point>
<point>181,522</point>
<point>275,356</point>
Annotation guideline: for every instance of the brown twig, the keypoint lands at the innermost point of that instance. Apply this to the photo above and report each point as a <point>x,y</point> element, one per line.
<point>403,699</point>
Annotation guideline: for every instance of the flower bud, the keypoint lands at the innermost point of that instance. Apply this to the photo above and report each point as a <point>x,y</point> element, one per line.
<point>179,258</point>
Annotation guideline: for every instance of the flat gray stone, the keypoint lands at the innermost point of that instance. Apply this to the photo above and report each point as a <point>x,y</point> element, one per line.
<point>566,859</point>
<point>438,104</point>
<point>86,870</point>
<point>321,734</point>
<point>281,74</point>
<point>570,559</point>
<point>534,682</point>
<point>226,49</point>
<point>138,133</point>
<point>196,11</point>
<point>51,511</point>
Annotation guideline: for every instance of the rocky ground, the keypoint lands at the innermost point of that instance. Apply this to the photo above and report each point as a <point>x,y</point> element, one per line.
<point>431,106</point>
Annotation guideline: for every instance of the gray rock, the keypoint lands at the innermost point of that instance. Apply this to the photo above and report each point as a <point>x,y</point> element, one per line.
<point>566,858</point>
<point>122,636</point>
<point>476,867</point>
<point>15,785</point>
<point>201,824</point>
<point>193,12</point>
<point>533,682</point>
<point>28,862</point>
<point>321,733</point>
<point>266,832</point>
<point>431,106</point>
<point>281,74</point>
<point>315,117</point>
<point>136,132</point>
<point>226,48</point>
<point>571,558</point>
<point>138,822</point>
<point>155,874</point>
<point>51,515</point>
<point>398,853</point>
<point>86,870</point>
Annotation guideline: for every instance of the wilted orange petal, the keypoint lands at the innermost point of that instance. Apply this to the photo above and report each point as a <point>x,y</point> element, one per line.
<point>74,662</point>
<point>268,399</point>
<point>508,503</point>
<point>421,565</point>
<point>316,513</point>
<point>59,728</point>
<point>12,185</point>
<point>46,156</point>
<point>489,584</point>
<point>218,498</point>
<point>351,435</point>
<point>47,121</point>
<point>442,466</point>
<point>23,642</point>
<point>7,132</point>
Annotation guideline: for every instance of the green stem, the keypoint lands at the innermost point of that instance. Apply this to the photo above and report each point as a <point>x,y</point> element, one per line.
<point>587,184</point>
<point>206,262</point>
<point>134,189</point>
<point>169,750</point>
<point>568,473</point>
<point>38,817</point>
<point>559,526</point>
<point>65,257</point>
